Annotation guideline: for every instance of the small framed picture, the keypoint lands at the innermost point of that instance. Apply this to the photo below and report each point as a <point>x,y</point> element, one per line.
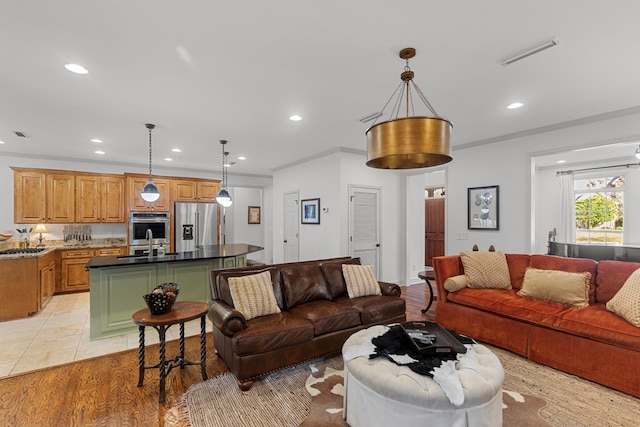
<point>483,211</point>
<point>254,214</point>
<point>311,211</point>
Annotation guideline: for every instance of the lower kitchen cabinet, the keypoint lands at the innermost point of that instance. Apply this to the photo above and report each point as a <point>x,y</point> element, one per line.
<point>75,277</point>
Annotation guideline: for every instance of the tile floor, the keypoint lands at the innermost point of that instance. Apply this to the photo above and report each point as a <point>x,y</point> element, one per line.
<point>59,334</point>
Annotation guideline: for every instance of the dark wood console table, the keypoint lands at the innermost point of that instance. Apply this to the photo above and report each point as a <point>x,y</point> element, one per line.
<point>428,275</point>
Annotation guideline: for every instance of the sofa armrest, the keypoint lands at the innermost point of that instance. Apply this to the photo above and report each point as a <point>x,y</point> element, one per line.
<point>389,289</point>
<point>227,319</point>
<point>443,268</point>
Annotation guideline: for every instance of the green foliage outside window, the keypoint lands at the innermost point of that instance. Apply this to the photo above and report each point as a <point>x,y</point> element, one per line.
<point>595,210</point>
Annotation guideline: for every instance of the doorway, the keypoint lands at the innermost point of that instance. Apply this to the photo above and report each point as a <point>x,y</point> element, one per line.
<point>291,224</point>
<point>434,224</point>
<point>364,225</point>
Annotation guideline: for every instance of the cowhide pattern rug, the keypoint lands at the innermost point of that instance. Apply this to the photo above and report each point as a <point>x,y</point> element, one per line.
<point>325,385</point>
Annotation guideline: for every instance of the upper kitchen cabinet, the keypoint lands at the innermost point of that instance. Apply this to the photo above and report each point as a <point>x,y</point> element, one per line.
<point>60,197</point>
<point>29,196</point>
<point>135,184</point>
<point>99,198</point>
<point>194,190</point>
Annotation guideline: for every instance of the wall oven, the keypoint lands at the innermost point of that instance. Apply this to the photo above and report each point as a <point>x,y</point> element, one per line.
<point>139,222</point>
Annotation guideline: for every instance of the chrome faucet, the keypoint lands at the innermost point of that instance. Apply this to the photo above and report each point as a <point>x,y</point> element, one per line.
<point>149,237</point>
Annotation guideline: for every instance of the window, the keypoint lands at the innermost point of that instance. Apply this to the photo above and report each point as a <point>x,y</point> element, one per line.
<point>599,204</point>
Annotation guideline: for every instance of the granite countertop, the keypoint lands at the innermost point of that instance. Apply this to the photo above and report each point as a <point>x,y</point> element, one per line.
<point>53,245</point>
<point>207,252</point>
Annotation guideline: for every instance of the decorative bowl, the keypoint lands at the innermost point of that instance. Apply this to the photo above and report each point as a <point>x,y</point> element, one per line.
<point>162,298</point>
<point>6,235</point>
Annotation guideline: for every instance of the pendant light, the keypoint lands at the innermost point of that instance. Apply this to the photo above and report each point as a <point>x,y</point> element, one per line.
<point>638,152</point>
<point>150,192</point>
<point>408,142</point>
<point>223,197</point>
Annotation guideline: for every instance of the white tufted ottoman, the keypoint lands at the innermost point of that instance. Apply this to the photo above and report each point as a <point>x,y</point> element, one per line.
<point>381,393</point>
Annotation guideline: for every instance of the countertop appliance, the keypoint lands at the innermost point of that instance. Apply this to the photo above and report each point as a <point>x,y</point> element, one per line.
<point>196,225</point>
<point>139,222</point>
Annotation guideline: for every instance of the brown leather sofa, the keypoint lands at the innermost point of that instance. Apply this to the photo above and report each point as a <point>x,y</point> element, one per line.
<point>590,342</point>
<point>316,318</point>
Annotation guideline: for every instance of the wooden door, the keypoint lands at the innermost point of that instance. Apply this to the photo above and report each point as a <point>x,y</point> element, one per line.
<point>434,229</point>
<point>184,190</point>
<point>112,199</point>
<point>207,191</point>
<point>87,198</point>
<point>29,198</point>
<point>61,205</point>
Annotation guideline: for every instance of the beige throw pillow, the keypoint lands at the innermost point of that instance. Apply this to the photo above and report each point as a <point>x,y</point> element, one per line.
<point>253,295</point>
<point>455,283</point>
<point>626,302</point>
<point>556,286</point>
<point>360,280</point>
<point>486,270</point>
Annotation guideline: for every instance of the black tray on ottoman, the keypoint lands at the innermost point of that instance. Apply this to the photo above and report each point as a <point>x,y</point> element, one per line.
<point>430,338</point>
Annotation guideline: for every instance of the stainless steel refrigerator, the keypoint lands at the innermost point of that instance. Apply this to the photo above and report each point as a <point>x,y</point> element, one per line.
<point>196,225</point>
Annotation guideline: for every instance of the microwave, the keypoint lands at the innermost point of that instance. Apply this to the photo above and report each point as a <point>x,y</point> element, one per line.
<point>158,222</point>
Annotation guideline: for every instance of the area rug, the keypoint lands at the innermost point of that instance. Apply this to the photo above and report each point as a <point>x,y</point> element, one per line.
<point>310,395</point>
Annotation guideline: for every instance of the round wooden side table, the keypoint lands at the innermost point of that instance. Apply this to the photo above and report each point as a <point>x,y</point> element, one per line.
<point>428,275</point>
<point>182,311</point>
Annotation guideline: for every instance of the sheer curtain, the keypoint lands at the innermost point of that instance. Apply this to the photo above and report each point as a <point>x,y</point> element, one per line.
<point>567,228</point>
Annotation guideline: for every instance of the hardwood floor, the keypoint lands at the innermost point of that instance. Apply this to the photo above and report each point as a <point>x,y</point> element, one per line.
<point>103,392</point>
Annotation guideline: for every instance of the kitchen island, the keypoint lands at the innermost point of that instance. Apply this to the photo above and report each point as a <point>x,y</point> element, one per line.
<point>117,284</point>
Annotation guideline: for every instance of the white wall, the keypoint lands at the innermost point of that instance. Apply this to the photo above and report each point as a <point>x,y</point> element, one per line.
<point>508,164</point>
<point>328,178</point>
<point>238,228</point>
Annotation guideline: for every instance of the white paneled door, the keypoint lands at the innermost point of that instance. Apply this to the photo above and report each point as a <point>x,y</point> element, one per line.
<point>364,225</point>
<point>291,224</point>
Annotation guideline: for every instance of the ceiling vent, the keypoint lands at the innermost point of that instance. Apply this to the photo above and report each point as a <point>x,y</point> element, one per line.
<point>19,134</point>
<point>529,51</point>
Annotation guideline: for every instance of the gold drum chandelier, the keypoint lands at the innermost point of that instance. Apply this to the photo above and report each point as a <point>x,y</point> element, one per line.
<point>408,142</point>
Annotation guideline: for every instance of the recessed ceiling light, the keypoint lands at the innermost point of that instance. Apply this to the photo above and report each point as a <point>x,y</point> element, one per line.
<point>168,159</point>
<point>99,152</point>
<point>1,142</point>
<point>561,161</point>
<point>242,158</point>
<point>75,68</point>
<point>97,141</point>
<point>514,105</point>
<point>295,118</point>
<point>176,150</point>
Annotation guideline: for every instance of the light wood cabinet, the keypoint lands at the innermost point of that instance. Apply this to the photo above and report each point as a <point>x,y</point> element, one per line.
<point>60,196</point>
<point>75,276</point>
<point>29,203</point>
<point>112,199</point>
<point>47,265</point>
<point>194,190</point>
<point>135,184</point>
<point>99,198</point>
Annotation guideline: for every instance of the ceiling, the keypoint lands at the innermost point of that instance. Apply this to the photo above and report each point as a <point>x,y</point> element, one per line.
<point>202,71</point>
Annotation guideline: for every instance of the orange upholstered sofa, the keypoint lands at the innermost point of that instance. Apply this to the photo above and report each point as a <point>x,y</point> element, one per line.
<point>589,342</point>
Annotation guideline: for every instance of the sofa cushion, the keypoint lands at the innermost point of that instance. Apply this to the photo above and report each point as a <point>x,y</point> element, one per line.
<point>272,332</point>
<point>360,280</point>
<point>571,265</point>
<point>455,283</point>
<point>375,309</point>
<point>224,293</point>
<point>626,303</point>
<point>253,295</point>
<point>506,302</point>
<point>518,264</point>
<point>327,316</point>
<point>611,277</point>
<point>304,283</point>
<point>556,286</point>
<point>335,279</point>
<point>595,322</point>
<point>486,270</point>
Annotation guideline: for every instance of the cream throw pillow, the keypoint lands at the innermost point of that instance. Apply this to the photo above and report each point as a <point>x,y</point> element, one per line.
<point>626,302</point>
<point>486,269</point>
<point>556,286</point>
<point>360,280</point>
<point>253,295</point>
<point>455,283</point>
